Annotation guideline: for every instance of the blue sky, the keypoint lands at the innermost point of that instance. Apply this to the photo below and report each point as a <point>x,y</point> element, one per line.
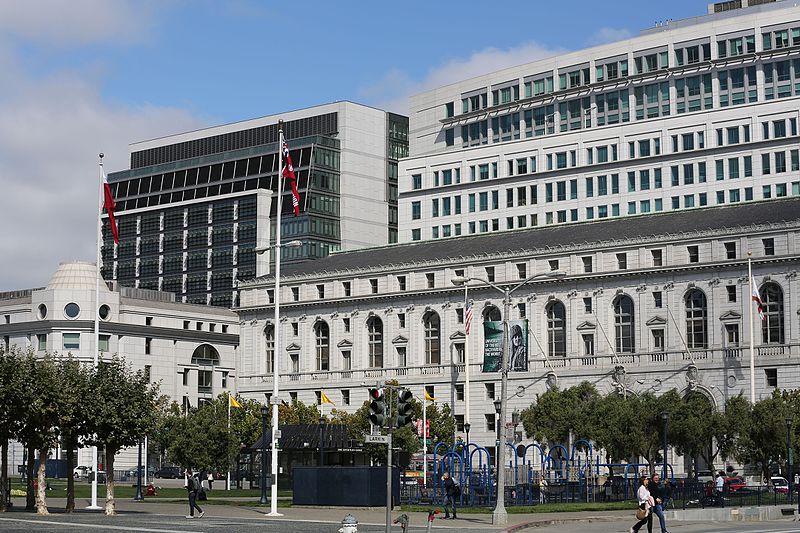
<point>87,76</point>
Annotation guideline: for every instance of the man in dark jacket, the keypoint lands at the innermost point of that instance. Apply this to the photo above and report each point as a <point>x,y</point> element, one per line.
<point>657,492</point>
<point>450,495</point>
<point>193,487</point>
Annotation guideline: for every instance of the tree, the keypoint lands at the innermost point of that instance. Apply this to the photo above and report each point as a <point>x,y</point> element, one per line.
<point>38,402</point>
<point>763,439</point>
<point>10,411</point>
<point>72,410</point>
<point>121,411</point>
<point>557,413</point>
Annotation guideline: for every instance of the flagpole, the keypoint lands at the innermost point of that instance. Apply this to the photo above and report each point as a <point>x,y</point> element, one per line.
<point>752,336</point>
<point>277,329</point>
<point>466,358</point>
<point>99,239</point>
<point>229,439</point>
<point>425,437</point>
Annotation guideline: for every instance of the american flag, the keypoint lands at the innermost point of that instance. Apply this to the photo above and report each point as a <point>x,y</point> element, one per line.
<point>468,316</point>
<point>757,298</point>
<point>288,172</point>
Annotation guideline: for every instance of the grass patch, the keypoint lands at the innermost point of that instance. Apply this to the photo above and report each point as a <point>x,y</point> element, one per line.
<point>527,509</point>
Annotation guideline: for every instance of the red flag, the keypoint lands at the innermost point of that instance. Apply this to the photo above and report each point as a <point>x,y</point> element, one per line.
<point>288,172</point>
<point>757,298</point>
<point>108,203</point>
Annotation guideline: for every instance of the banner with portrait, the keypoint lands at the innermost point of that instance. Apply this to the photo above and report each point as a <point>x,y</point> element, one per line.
<point>493,345</point>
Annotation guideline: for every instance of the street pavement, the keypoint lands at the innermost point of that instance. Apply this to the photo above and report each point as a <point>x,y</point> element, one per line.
<point>154,517</point>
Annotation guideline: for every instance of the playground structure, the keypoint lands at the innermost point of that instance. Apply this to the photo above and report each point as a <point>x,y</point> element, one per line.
<point>534,475</point>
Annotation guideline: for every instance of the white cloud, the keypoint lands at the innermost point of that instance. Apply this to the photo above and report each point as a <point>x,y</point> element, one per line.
<point>392,91</point>
<point>53,127</point>
<point>608,35</point>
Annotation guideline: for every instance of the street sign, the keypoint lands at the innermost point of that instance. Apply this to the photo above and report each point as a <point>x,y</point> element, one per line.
<point>377,439</point>
<point>277,434</point>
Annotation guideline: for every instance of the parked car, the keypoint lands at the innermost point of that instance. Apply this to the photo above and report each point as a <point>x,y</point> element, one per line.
<point>101,476</point>
<point>779,484</point>
<point>735,483</point>
<point>80,472</point>
<point>131,473</point>
<point>704,476</point>
<point>169,472</point>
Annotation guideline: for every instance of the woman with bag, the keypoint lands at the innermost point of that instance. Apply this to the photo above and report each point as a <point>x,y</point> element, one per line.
<point>644,514</point>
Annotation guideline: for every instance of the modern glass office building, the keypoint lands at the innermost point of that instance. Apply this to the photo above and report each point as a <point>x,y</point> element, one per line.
<point>689,114</point>
<point>194,207</point>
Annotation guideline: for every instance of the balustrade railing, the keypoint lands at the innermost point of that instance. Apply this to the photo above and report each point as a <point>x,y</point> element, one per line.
<point>677,359</point>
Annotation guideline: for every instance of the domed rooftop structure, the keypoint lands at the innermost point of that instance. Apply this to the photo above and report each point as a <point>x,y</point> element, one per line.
<point>75,275</point>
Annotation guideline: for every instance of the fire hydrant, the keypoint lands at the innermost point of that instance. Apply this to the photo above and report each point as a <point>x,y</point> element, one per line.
<point>349,524</point>
<point>403,521</point>
<point>431,515</point>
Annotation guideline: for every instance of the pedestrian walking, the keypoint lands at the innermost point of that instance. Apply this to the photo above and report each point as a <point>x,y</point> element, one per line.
<point>210,480</point>
<point>451,493</point>
<point>643,514</point>
<point>658,492</point>
<point>719,486</point>
<point>193,487</point>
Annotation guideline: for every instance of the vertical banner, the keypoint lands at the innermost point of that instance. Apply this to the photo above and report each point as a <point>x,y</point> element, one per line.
<point>518,341</point>
<point>493,345</point>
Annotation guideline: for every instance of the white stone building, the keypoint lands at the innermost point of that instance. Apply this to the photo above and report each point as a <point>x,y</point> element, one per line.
<point>648,304</point>
<point>689,114</point>
<point>190,350</point>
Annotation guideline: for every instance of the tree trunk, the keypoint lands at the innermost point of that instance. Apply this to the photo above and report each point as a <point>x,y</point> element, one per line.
<point>110,506</point>
<point>41,492</point>
<point>30,498</point>
<point>70,476</point>
<point>4,475</point>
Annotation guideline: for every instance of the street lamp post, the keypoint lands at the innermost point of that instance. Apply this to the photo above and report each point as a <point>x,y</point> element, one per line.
<point>139,497</point>
<point>467,425</point>
<point>789,476</point>
<point>499,515</point>
<point>498,408</point>
<point>264,415</point>
<point>276,341</point>
<point>321,439</point>
<point>664,419</point>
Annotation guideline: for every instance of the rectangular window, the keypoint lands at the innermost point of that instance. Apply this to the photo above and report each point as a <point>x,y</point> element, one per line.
<point>72,341</point>
<point>522,270</point>
<point>769,246</point>
<point>622,261</point>
<point>41,342</point>
<point>657,256</point>
<point>694,254</point>
<point>730,250</point>
<point>373,285</point>
<point>587,264</point>
<point>657,302</point>
<point>489,391</point>
<point>489,273</point>
<point>731,291</point>
<point>771,375</point>
<point>429,280</point>
<point>587,305</point>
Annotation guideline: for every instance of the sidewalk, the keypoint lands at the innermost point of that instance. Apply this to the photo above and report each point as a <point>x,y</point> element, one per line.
<point>334,515</point>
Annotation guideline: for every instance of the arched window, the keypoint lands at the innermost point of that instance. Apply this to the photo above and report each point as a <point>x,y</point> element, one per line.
<point>269,347</point>
<point>433,334</point>
<point>772,325</point>
<point>491,314</point>
<point>322,338</point>
<point>623,324</point>
<point>696,319</point>
<point>205,355</point>
<point>556,329</point>
<point>375,341</point>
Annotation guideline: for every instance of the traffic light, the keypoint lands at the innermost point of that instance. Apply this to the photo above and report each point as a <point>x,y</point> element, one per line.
<point>405,412</point>
<point>377,407</point>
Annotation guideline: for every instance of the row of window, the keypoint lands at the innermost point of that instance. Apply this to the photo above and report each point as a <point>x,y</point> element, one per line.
<point>693,93</point>
<point>697,332</point>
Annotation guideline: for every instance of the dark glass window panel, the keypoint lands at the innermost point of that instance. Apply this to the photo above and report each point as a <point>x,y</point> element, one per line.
<point>178,196</point>
<point>227,170</point>
<point>216,172</point>
<point>121,190</point>
<point>241,168</point>
<point>265,183</point>
<point>252,184</point>
<point>269,163</point>
<point>200,192</point>
<point>168,181</point>
<point>225,188</point>
<point>164,199</point>
<point>155,200</point>
<point>202,175</point>
<point>213,190</point>
<point>144,185</point>
<point>191,177</point>
<point>180,179</point>
<point>252,166</point>
<point>238,186</point>
<point>142,202</point>
<point>305,157</point>
<point>155,183</point>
